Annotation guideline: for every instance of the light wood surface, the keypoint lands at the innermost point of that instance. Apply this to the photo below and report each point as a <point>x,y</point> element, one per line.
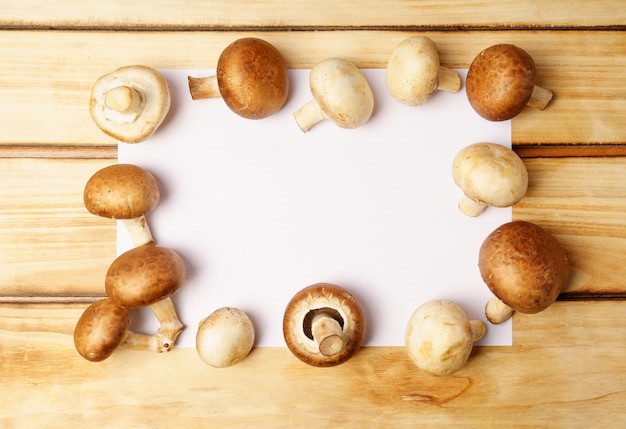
<point>567,364</point>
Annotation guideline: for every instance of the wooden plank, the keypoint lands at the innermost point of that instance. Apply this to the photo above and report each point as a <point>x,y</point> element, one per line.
<point>564,370</point>
<point>197,14</point>
<point>583,202</point>
<point>50,245</point>
<point>48,75</point>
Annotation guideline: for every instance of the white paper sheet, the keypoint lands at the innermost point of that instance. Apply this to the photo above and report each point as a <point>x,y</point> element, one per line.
<point>259,209</point>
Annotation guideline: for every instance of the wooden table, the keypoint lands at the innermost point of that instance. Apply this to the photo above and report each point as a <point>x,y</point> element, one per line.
<point>567,365</point>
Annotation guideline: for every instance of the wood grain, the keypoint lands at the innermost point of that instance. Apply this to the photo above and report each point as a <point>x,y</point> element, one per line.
<point>566,366</point>
<point>198,14</point>
<point>52,247</point>
<point>563,371</point>
<point>51,74</point>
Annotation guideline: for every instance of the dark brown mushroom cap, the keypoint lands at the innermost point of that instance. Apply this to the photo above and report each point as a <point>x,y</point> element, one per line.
<point>524,266</point>
<point>252,78</point>
<point>500,81</point>
<point>300,311</point>
<point>144,275</point>
<point>121,191</point>
<point>101,329</point>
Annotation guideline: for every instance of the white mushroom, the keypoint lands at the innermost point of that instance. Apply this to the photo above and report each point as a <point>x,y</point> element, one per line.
<point>439,337</point>
<point>130,103</point>
<point>489,174</point>
<point>225,337</point>
<point>414,72</point>
<point>340,93</point>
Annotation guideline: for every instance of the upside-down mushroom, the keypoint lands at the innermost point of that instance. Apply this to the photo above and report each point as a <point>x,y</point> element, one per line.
<point>500,83</point>
<point>149,275</point>
<point>524,266</point>
<point>340,93</point>
<point>130,103</point>
<point>439,337</point>
<point>251,77</point>
<point>125,192</point>
<point>224,337</point>
<point>414,72</point>
<point>489,174</point>
<point>323,325</point>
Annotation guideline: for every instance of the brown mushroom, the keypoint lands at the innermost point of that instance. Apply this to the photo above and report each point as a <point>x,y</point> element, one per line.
<point>323,325</point>
<point>124,192</point>
<point>251,77</point>
<point>101,329</point>
<point>340,93</point>
<point>414,72</point>
<point>130,103</point>
<point>224,337</point>
<point>439,337</point>
<point>489,174</point>
<point>524,266</point>
<point>501,82</point>
<point>149,275</point>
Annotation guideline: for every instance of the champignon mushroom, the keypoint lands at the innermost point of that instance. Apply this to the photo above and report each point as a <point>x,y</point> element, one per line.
<point>101,329</point>
<point>524,266</point>
<point>130,103</point>
<point>323,325</point>
<point>340,93</point>
<point>124,192</point>
<point>252,79</point>
<point>439,337</point>
<point>414,72</point>
<point>225,337</point>
<point>501,82</point>
<point>489,174</point>
<point>149,275</point>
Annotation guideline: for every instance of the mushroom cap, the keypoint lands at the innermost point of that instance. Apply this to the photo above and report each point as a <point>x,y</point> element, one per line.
<point>101,329</point>
<point>121,191</point>
<point>500,81</point>
<point>252,77</point>
<point>155,101</point>
<point>300,311</point>
<point>523,265</point>
<point>438,337</point>
<point>413,70</point>
<point>490,174</point>
<point>225,337</point>
<point>342,92</point>
<point>144,275</point>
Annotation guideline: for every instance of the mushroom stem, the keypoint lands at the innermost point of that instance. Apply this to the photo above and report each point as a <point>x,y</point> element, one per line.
<point>478,329</point>
<point>136,341</point>
<point>139,230</point>
<point>171,326</point>
<point>309,115</point>
<point>471,207</point>
<point>124,99</point>
<point>540,98</point>
<point>449,80</point>
<point>497,311</point>
<point>203,87</point>
<point>166,335</point>
<point>327,333</point>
